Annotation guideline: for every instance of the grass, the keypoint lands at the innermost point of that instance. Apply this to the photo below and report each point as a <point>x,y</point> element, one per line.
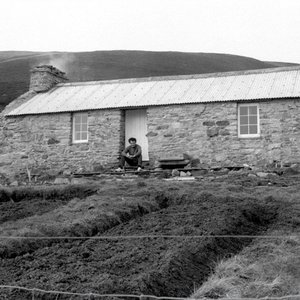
<point>267,267</point>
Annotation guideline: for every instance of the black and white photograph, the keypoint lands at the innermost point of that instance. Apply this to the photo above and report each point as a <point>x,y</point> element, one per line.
<point>150,149</point>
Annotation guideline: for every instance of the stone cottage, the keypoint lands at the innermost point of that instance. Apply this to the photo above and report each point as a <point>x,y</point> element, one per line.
<point>223,119</point>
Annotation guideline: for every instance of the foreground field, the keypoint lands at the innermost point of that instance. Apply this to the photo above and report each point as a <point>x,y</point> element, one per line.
<point>147,238</point>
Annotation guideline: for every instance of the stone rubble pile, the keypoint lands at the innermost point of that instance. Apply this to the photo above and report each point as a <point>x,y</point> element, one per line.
<point>66,177</point>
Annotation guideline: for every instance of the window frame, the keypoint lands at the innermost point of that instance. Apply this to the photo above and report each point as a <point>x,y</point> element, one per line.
<point>74,141</point>
<point>248,135</point>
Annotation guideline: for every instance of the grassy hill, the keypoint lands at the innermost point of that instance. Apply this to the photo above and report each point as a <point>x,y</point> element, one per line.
<point>85,66</point>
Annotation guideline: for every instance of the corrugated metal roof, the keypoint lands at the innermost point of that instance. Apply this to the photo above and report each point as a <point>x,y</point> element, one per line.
<point>231,86</point>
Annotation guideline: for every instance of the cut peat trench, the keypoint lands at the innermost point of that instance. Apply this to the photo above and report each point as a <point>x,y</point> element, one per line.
<point>22,202</point>
<point>157,266</point>
<point>180,264</point>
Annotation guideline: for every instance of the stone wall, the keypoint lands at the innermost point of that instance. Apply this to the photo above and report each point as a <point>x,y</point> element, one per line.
<point>44,142</point>
<point>205,132</point>
<point>209,132</point>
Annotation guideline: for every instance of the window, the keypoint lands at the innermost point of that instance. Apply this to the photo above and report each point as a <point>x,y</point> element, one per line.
<point>248,120</point>
<point>80,128</point>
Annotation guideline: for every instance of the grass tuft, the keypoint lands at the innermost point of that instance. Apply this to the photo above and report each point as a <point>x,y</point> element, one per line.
<point>265,268</point>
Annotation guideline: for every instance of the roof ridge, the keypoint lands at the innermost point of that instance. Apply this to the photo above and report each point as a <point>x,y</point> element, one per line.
<point>183,77</point>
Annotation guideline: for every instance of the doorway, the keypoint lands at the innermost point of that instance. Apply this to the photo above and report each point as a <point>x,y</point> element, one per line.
<point>136,126</point>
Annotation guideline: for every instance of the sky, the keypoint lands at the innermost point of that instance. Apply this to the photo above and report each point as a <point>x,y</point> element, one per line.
<point>263,29</point>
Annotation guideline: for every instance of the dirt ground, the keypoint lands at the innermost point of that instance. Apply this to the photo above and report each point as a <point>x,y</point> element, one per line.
<point>157,266</point>
<point>11,211</point>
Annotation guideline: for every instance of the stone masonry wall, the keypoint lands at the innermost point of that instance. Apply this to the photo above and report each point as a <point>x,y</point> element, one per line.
<point>44,142</point>
<point>45,77</point>
<point>209,132</point>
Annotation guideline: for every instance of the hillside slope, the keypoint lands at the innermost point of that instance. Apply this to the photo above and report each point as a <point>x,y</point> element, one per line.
<point>85,66</point>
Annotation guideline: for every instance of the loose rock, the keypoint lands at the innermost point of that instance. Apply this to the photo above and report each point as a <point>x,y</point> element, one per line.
<point>175,172</point>
<point>60,180</point>
<point>252,175</point>
<point>14,183</point>
<point>262,174</point>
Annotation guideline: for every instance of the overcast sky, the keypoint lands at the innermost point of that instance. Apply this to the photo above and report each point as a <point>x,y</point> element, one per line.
<point>262,29</point>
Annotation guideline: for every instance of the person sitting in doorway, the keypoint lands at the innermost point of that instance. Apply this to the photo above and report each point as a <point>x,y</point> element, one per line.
<point>132,155</point>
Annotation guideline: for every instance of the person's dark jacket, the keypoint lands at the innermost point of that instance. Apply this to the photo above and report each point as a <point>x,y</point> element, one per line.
<point>135,151</point>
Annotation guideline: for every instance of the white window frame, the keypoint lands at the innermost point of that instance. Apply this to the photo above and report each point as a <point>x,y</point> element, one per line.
<point>248,135</point>
<point>73,125</point>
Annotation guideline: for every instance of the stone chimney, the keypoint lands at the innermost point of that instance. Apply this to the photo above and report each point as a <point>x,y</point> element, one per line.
<point>45,77</point>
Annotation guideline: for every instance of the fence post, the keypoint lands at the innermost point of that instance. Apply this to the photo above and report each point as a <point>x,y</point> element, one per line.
<point>33,291</point>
